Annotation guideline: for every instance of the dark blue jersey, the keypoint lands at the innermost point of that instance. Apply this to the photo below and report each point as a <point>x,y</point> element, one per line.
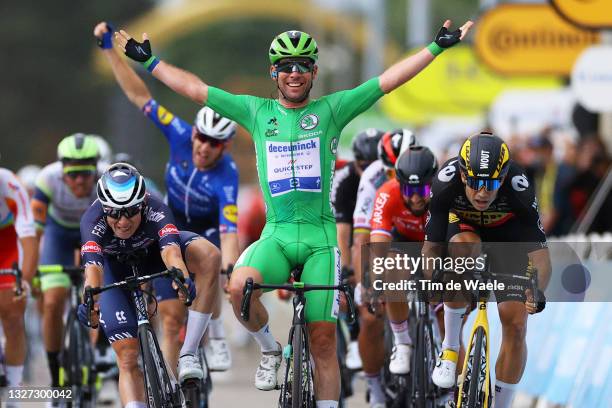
<point>201,197</point>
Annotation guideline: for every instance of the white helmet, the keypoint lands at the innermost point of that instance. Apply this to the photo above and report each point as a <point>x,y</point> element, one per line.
<point>210,123</point>
<point>121,186</point>
<point>105,150</point>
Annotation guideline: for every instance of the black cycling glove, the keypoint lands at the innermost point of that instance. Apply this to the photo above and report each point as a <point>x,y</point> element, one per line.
<point>444,39</point>
<point>141,52</point>
<point>540,300</point>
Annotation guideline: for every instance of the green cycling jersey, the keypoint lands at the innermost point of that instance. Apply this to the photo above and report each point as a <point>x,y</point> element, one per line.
<point>296,148</point>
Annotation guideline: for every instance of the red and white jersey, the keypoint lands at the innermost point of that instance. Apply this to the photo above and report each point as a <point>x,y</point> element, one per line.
<point>15,205</point>
<point>391,214</point>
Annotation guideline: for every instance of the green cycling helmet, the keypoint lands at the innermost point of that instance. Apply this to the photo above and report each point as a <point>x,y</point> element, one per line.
<point>78,147</point>
<point>293,44</point>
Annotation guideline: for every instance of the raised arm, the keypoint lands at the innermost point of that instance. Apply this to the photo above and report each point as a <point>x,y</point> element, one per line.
<point>404,70</point>
<point>180,81</point>
<point>131,84</point>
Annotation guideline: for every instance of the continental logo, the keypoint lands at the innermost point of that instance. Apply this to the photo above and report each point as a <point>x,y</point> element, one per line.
<point>528,39</point>
<point>504,156</point>
<point>452,218</point>
<point>164,116</point>
<point>230,212</point>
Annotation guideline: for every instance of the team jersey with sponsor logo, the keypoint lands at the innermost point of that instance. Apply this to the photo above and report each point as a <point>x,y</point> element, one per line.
<point>296,148</point>
<point>391,214</point>
<point>372,178</point>
<point>515,199</point>
<point>344,193</point>
<point>196,194</point>
<point>157,227</point>
<point>15,209</point>
<point>63,206</point>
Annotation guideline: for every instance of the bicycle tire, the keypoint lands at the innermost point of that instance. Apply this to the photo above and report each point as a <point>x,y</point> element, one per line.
<point>161,393</point>
<point>297,344</point>
<point>474,393</point>
<point>73,361</point>
<point>419,367</point>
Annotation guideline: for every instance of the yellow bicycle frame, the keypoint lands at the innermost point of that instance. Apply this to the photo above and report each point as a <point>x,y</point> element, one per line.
<point>481,321</point>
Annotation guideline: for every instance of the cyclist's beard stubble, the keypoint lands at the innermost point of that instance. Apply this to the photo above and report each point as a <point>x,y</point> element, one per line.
<point>299,99</point>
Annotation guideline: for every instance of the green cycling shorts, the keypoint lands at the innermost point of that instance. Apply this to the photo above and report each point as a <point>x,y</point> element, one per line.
<point>282,247</point>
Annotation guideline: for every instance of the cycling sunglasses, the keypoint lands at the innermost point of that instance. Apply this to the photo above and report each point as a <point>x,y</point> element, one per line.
<point>75,171</point>
<point>422,190</point>
<point>207,139</point>
<point>295,66</point>
<point>128,212</point>
<point>476,183</point>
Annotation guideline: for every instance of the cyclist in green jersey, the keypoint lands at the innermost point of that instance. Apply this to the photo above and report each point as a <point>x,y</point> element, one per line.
<point>295,140</point>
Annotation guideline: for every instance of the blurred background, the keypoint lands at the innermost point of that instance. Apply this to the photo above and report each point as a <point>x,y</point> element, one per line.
<point>538,73</point>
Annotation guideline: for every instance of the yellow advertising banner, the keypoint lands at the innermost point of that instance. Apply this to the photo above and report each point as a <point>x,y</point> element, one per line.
<point>593,14</point>
<point>520,39</point>
<point>455,84</point>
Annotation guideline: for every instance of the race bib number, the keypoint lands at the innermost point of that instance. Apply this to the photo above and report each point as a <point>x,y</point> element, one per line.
<point>294,166</point>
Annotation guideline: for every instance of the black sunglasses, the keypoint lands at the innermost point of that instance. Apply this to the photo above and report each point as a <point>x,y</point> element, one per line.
<point>295,66</point>
<point>128,212</point>
<point>81,173</point>
<point>207,139</point>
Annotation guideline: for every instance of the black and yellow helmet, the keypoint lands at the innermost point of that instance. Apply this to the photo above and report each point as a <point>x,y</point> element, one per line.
<point>484,156</point>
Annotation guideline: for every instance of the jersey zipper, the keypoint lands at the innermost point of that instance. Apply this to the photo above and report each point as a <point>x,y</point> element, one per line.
<point>187,191</point>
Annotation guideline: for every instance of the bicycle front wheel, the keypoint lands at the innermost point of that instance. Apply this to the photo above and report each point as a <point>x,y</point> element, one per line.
<point>161,392</point>
<point>301,381</point>
<point>474,381</point>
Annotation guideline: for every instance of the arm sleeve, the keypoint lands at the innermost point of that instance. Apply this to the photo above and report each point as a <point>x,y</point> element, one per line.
<point>228,198</point>
<point>346,105</point>
<point>436,223</point>
<point>340,195</point>
<point>382,222</point>
<point>18,195</point>
<point>174,128</point>
<point>93,229</point>
<point>366,193</point>
<point>528,213</point>
<point>239,108</point>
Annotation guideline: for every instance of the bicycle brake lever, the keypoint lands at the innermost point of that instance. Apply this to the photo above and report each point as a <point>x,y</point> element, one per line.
<point>246,300</point>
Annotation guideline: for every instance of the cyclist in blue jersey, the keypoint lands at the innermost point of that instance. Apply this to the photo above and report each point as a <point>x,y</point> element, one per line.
<point>202,189</point>
<point>126,222</point>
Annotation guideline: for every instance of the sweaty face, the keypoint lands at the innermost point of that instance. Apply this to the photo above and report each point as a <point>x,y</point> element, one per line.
<point>205,151</point>
<point>295,79</point>
<point>124,227</point>
<point>481,199</point>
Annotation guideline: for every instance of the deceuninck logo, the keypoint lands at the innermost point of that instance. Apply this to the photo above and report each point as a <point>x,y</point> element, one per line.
<point>309,122</point>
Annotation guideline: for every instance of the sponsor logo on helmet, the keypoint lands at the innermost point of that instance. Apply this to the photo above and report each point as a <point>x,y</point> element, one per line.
<point>164,116</point>
<point>309,122</point>
<point>167,230</point>
<point>503,158</point>
<point>414,179</point>
<point>520,183</point>
<point>230,212</point>
<point>91,247</point>
<point>333,146</point>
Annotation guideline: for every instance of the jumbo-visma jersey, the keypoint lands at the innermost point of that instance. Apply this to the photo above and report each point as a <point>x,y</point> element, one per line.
<point>196,194</point>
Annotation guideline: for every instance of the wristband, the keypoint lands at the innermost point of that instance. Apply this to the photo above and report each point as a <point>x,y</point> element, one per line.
<point>106,42</point>
<point>435,49</point>
<point>151,63</point>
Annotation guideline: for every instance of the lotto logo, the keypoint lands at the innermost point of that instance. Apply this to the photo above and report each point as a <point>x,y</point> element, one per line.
<point>91,246</point>
<point>168,229</point>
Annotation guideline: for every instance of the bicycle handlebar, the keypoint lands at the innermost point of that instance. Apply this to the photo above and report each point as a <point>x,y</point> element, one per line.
<point>251,286</point>
<point>133,282</point>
